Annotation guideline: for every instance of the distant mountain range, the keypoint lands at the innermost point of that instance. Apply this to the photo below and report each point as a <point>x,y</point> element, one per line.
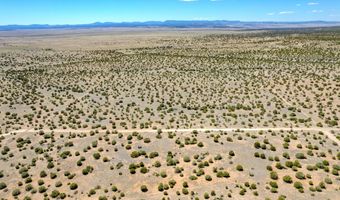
<point>180,24</point>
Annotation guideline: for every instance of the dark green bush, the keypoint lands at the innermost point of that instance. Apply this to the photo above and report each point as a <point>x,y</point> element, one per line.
<point>16,192</point>
<point>96,156</point>
<point>143,188</point>
<point>287,179</point>
<point>300,175</point>
<point>2,185</point>
<point>73,186</point>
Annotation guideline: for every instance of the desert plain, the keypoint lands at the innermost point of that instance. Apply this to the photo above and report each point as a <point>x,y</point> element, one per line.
<point>166,113</point>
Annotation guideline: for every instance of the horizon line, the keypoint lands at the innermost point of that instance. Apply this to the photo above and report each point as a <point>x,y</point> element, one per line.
<point>170,20</point>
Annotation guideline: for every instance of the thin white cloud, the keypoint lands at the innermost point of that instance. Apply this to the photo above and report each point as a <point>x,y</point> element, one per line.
<point>271,14</point>
<point>317,11</point>
<point>286,12</point>
<point>312,3</point>
<point>188,0</point>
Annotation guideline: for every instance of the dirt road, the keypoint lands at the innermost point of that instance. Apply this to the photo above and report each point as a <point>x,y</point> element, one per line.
<point>326,131</point>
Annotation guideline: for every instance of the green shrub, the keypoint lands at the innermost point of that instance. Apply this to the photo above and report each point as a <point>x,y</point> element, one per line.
<point>135,154</point>
<point>2,185</point>
<point>322,185</point>
<point>41,182</point>
<point>53,175</point>
<point>298,185</point>
<point>50,165</point>
<point>147,140</point>
<point>297,164</point>
<point>287,179</point>
<point>185,191</point>
<point>185,184</point>
<point>65,154</point>
<point>257,145</point>
<point>58,184</point>
<point>161,187</point>
<point>96,156</point>
<point>114,189</point>
<point>328,180</point>
<point>335,172</point>
<point>16,192</point>
<point>143,188</point>
<point>55,194</point>
<point>273,175</point>
<point>289,164</point>
<point>73,186</point>
<point>42,189</point>
<point>300,175</point>
<point>43,174</point>
<point>163,174</point>
<point>208,178</point>
<point>172,183</point>
<point>102,198</point>
<point>28,187</point>
<point>279,166</point>
<point>273,190</point>
<point>200,144</point>
<point>273,184</point>
<point>222,174</point>
<point>62,196</point>
<point>286,155</point>
<point>300,156</point>
<point>186,159</point>
<point>153,155</point>
<point>239,168</point>
<point>87,170</point>
<point>143,170</point>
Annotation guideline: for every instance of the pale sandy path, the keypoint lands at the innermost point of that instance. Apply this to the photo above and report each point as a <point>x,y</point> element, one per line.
<point>326,131</point>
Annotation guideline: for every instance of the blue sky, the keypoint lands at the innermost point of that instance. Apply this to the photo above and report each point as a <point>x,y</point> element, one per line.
<point>88,11</point>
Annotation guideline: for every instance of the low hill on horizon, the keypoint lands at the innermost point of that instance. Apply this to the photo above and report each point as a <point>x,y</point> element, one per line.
<point>181,24</point>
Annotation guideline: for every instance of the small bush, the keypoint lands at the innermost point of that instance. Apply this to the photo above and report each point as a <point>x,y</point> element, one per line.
<point>298,185</point>
<point>73,186</point>
<point>114,189</point>
<point>16,192</point>
<point>239,168</point>
<point>300,156</point>
<point>300,175</point>
<point>42,189</point>
<point>287,179</point>
<point>208,178</point>
<point>186,159</point>
<point>163,174</point>
<point>273,175</point>
<point>185,191</point>
<point>2,185</point>
<point>58,184</point>
<point>328,180</point>
<point>96,156</point>
<point>143,188</point>
<point>55,193</point>
<point>273,184</point>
